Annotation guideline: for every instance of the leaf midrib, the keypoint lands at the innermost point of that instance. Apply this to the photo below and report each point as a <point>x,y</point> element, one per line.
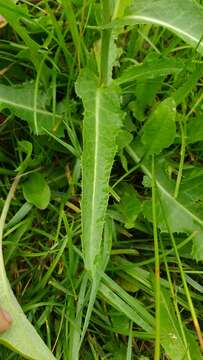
<point>161,23</point>
<point>96,153</point>
<point>28,108</point>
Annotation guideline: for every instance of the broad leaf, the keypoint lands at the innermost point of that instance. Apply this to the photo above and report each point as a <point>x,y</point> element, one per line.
<point>36,191</point>
<point>181,216</point>
<point>123,139</point>
<point>150,69</point>
<point>185,21</point>
<point>129,206</point>
<point>160,130</point>
<point>102,121</point>
<point>20,101</point>
<point>22,336</point>
<point>195,129</point>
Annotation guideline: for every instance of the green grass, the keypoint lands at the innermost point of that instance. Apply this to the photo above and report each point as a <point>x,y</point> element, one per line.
<point>101,121</point>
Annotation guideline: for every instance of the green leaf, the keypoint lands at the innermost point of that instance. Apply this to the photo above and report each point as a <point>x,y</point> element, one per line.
<point>123,139</point>
<point>129,206</point>
<point>102,121</point>
<point>171,337</point>
<point>36,191</point>
<point>185,21</point>
<point>183,215</point>
<point>119,7</point>
<point>188,83</point>
<point>160,130</point>
<point>195,130</point>
<point>13,14</point>
<point>150,69</point>
<point>22,336</point>
<point>20,100</point>
<point>126,304</point>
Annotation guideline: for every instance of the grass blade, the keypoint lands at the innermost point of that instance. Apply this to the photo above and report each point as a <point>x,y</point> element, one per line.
<point>21,337</point>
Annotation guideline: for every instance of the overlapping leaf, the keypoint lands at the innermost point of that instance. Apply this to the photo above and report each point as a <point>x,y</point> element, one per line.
<point>182,214</point>
<point>13,14</point>
<point>150,69</point>
<point>20,101</point>
<point>22,336</point>
<point>184,19</point>
<point>171,335</point>
<point>160,129</point>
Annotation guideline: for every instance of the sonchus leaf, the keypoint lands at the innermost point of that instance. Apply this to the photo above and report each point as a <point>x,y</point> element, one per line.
<point>185,21</point>
<point>160,130</point>
<point>102,121</point>
<point>184,214</point>
<point>20,101</point>
<point>22,336</point>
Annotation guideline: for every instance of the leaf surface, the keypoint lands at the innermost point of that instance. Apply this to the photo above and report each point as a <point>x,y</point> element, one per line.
<point>171,337</point>
<point>102,121</point>
<point>36,191</point>
<point>150,69</point>
<point>20,100</point>
<point>195,129</point>
<point>185,21</point>
<point>182,215</point>
<point>160,130</point>
<point>129,206</point>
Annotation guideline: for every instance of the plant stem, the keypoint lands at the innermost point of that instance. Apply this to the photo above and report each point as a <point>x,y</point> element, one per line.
<point>157,267</point>
<point>182,158</point>
<point>6,206</point>
<point>105,44</point>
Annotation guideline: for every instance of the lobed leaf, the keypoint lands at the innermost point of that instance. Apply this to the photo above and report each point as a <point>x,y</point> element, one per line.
<point>102,122</point>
